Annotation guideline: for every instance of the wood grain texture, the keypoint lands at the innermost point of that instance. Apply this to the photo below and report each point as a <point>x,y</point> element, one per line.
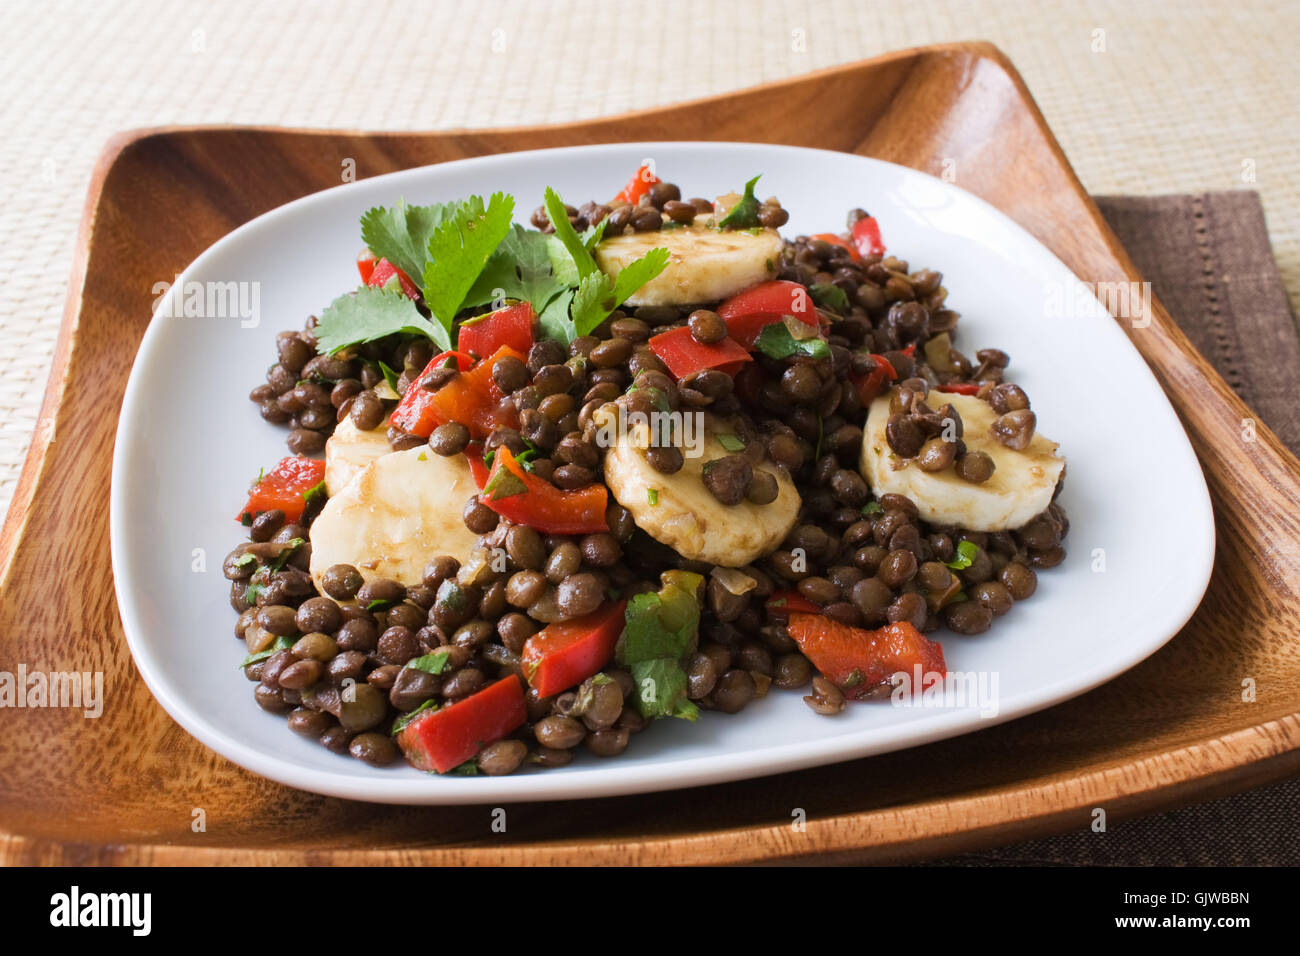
<point>121,789</point>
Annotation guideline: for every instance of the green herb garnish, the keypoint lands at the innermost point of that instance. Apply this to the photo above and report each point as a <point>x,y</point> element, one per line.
<point>967,552</point>
<point>459,249</point>
<point>829,296</point>
<point>433,663</point>
<point>653,495</point>
<point>873,508</point>
<point>405,719</point>
<point>369,314</point>
<point>401,233</point>
<point>660,632</point>
<point>775,341</point>
<point>744,214</point>
<point>731,443</point>
<point>282,643</point>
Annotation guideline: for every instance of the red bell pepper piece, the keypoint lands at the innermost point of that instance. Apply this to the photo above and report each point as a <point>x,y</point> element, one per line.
<point>540,504</point>
<point>683,355</point>
<point>563,655</point>
<point>385,273</point>
<point>959,388</point>
<point>471,398</point>
<point>873,383</point>
<point>637,186</point>
<point>283,487</point>
<point>866,236</point>
<point>511,326</point>
<point>444,739</point>
<point>366,265</point>
<point>837,240</point>
<point>747,313</point>
<point>781,604</point>
<point>856,659</point>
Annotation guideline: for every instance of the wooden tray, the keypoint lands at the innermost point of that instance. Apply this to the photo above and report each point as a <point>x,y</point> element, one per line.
<point>123,788</point>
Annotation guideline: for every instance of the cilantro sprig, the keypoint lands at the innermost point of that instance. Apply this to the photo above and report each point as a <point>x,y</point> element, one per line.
<point>369,314</point>
<point>744,214</point>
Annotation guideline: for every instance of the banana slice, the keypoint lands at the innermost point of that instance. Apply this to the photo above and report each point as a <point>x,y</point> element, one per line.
<point>395,515</point>
<point>349,450</point>
<point>704,264</point>
<point>1020,488</point>
<point>679,511</point>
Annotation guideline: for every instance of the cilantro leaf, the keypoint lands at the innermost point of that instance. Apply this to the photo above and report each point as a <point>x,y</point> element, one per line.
<point>314,492</point>
<point>731,443</point>
<point>390,375</point>
<point>744,214</point>
<point>520,268</point>
<point>401,233</point>
<point>568,237</point>
<point>434,663</point>
<point>652,494</point>
<point>967,552</point>
<point>660,685</point>
<point>458,251</point>
<point>829,296</point>
<point>369,314</point>
<point>598,295</point>
<point>405,719</point>
<point>775,341</point>
<point>555,321</point>
<point>282,643</point>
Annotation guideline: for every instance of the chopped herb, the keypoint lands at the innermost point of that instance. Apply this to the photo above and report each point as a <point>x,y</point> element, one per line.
<point>776,341</point>
<point>744,214</point>
<point>468,769</point>
<point>401,233</point>
<point>873,508</point>
<point>257,584</point>
<point>434,663</point>
<point>653,495</point>
<point>282,643</point>
<point>246,519</point>
<point>244,560</point>
<point>829,296</point>
<point>967,552</point>
<point>520,268</point>
<point>661,630</point>
<point>281,559</point>
<point>422,456</point>
<point>379,604</point>
<point>314,492</point>
<point>505,484</point>
<point>731,443</point>
<point>459,249</point>
<point>597,295</point>
<point>390,376</point>
<point>405,719</point>
<point>369,314</point>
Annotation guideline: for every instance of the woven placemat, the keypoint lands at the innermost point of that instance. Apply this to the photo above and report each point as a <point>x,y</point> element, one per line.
<point>1144,97</point>
<point>1207,258</point>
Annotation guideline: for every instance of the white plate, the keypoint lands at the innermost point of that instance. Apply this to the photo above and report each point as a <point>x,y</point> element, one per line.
<point>1140,547</point>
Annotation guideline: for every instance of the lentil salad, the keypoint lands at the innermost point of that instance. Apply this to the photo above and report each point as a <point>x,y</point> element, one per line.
<point>599,584</point>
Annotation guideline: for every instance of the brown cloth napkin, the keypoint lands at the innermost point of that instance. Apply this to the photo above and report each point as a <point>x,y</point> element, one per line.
<point>1208,259</point>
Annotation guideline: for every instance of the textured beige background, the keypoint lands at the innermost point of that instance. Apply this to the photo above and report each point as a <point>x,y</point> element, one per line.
<point>1185,96</point>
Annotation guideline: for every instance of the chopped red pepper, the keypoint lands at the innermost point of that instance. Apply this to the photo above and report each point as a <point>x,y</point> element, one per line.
<point>563,655</point>
<point>511,326</point>
<point>837,240</point>
<point>524,498</point>
<point>284,487</point>
<point>782,604</point>
<point>866,236</point>
<point>366,265</point>
<point>684,355</point>
<point>471,398</point>
<point>748,313</point>
<point>444,739</point>
<point>637,186</point>
<point>856,659</point>
<point>385,273</point>
<point>873,383</point>
<point>959,388</point>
